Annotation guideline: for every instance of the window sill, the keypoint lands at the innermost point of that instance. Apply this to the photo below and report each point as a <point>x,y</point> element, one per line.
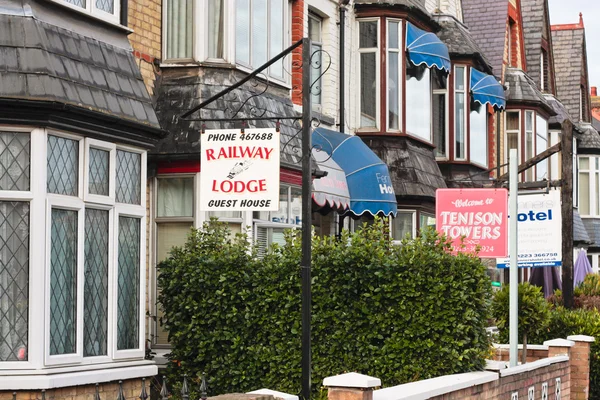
<point>73,376</point>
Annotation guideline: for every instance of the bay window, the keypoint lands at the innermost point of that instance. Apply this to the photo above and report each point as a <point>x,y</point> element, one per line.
<point>541,145</point>
<point>529,143</point>
<point>418,105</point>
<point>368,33</point>
<point>512,131</point>
<point>409,222</point>
<point>91,223</point>
<point>589,186</point>
<point>439,114</point>
<point>394,60</point>
<point>460,113</point>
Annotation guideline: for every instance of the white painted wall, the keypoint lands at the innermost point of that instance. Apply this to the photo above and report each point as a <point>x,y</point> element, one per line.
<point>449,7</point>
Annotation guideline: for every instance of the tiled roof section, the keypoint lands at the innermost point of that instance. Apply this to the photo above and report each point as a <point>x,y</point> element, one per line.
<point>592,226</point>
<point>521,89</point>
<point>39,61</point>
<point>177,94</point>
<point>534,18</point>
<point>562,114</point>
<point>459,40</point>
<point>413,169</point>
<point>589,140</point>
<point>486,20</point>
<point>568,66</point>
<point>580,234</point>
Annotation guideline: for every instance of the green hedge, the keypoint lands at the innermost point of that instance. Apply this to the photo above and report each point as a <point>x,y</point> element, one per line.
<point>397,313</point>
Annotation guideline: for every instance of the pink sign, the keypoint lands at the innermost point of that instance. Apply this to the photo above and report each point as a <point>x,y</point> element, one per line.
<point>478,215</point>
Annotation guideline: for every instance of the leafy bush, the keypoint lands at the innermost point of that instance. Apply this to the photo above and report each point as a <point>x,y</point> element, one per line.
<point>398,313</point>
<point>590,286</point>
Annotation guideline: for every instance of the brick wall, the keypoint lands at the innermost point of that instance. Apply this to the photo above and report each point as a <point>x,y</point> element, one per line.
<point>108,391</point>
<point>299,30</point>
<point>145,19</point>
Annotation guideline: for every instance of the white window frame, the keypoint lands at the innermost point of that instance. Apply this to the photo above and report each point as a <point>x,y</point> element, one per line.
<point>35,197</point>
<point>593,173</point>
<point>542,71</point>
<point>539,118</point>
<point>529,153</point>
<point>313,15</point>
<point>507,131</point>
<point>193,220</point>
<point>465,113</point>
<point>377,51</point>
<point>446,118</point>
<point>112,159</point>
<point>400,78</point>
<point>91,9</point>
<point>414,225</point>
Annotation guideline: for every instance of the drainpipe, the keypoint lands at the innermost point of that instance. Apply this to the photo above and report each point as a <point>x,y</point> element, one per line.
<point>342,81</point>
<point>124,10</point>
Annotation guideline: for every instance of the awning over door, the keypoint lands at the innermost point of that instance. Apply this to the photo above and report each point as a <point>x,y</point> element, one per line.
<point>426,48</point>
<point>485,89</point>
<point>368,179</point>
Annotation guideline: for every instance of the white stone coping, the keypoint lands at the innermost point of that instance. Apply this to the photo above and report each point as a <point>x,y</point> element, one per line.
<point>544,362</point>
<point>529,346</point>
<point>582,338</point>
<point>352,380</point>
<point>559,343</point>
<point>494,365</point>
<point>275,393</point>
<point>86,375</point>
<point>434,387</point>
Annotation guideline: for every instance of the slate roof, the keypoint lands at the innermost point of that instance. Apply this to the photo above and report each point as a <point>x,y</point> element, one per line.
<point>592,226</point>
<point>580,234</point>
<point>178,94</point>
<point>534,18</point>
<point>522,89</point>
<point>459,40</point>
<point>412,166</point>
<point>39,61</point>
<point>568,66</point>
<point>561,111</point>
<point>486,20</point>
<point>589,141</point>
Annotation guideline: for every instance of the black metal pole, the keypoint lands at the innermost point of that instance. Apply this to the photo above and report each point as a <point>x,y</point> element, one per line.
<point>306,218</point>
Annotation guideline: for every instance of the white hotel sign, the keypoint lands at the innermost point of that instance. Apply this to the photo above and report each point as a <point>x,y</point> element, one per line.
<point>239,171</point>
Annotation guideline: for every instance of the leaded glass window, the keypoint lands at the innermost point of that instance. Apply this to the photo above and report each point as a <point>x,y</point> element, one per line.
<point>106,5</point>
<point>63,166</point>
<point>99,171</point>
<point>128,301</point>
<point>63,282</point>
<point>95,292</point>
<point>14,280</point>
<point>14,161</point>
<point>129,188</point>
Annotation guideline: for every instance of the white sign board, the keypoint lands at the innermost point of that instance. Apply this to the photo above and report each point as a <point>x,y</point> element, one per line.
<point>239,171</point>
<point>539,231</point>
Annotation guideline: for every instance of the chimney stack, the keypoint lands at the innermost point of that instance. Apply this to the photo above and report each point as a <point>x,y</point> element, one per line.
<point>594,91</point>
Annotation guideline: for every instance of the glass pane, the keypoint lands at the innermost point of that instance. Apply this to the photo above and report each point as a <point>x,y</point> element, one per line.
<point>479,135</point>
<point>459,125</point>
<point>528,120</point>
<point>439,124</point>
<point>440,79</point>
<point>512,139</point>
<point>215,29</point>
<point>418,102</point>
<point>426,220</point>
<point>276,36</point>
<point>168,235</point>
<point>63,166</point>
<point>402,225</point>
<point>459,78</point>
<point>63,282</point>
<point>314,28</point>
<point>529,153</point>
<point>242,31</point>
<point>584,193</point>
<point>14,280</point>
<point>367,34</point>
<point>393,35</point>
<point>95,290</point>
<point>260,33</point>
<point>99,174</point>
<point>277,236</point>
<point>512,121</point>
<point>296,207</point>
<point>179,21</point>
<point>129,184</point>
<point>393,91</point>
<point>175,197</point>
<point>128,280</point>
<point>14,160</point>
<point>78,3</point>
<point>368,90</point>
<point>584,163</point>
<point>541,144</point>
<point>106,6</point>
<point>282,214</point>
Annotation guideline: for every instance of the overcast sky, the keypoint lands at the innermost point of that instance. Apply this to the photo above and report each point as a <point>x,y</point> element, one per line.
<point>567,12</point>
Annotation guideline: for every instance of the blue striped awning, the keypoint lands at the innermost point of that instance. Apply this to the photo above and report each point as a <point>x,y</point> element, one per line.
<point>485,89</point>
<point>426,48</point>
<point>369,183</point>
